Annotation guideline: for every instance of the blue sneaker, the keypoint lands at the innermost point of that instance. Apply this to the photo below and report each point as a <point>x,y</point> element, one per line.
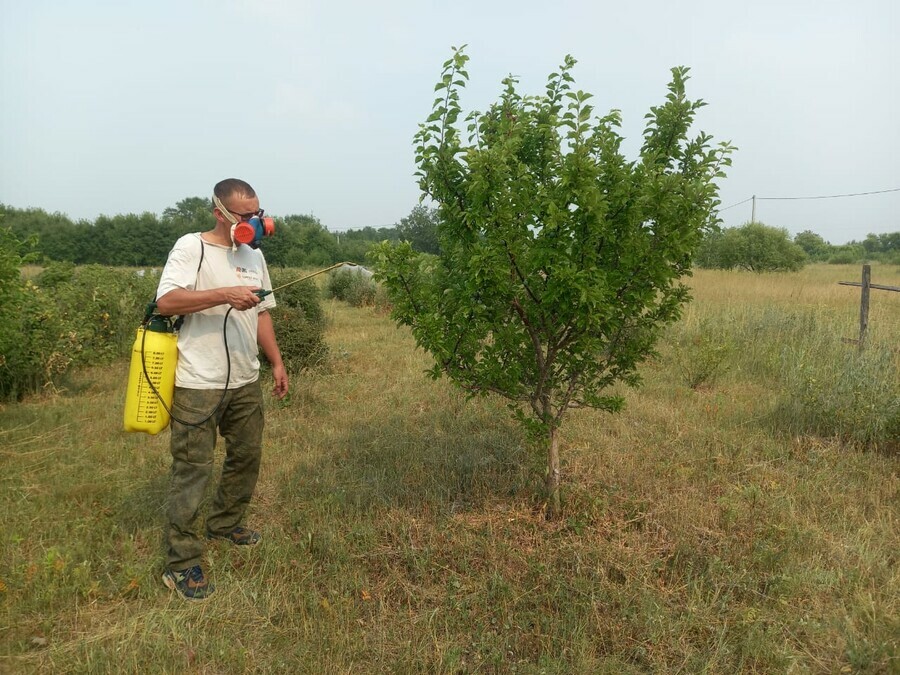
<point>190,584</point>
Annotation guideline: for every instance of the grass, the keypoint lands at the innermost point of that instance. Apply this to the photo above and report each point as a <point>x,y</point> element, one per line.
<point>706,529</point>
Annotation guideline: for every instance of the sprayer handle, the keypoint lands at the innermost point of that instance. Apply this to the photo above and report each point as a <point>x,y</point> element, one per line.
<point>261,293</point>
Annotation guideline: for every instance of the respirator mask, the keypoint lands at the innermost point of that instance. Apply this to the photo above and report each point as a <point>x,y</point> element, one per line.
<point>250,228</point>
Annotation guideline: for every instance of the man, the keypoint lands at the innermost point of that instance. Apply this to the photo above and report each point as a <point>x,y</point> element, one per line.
<point>211,280</point>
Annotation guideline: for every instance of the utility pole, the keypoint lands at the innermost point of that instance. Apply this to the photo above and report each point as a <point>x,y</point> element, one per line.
<point>753,212</point>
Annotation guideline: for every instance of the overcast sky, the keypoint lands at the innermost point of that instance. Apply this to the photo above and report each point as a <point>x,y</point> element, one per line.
<point>125,106</point>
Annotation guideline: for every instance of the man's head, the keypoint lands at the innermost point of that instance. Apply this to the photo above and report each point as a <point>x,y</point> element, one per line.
<point>233,201</point>
<point>236,208</point>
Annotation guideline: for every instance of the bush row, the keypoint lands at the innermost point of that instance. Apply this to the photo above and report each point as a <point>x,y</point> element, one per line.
<point>69,316</point>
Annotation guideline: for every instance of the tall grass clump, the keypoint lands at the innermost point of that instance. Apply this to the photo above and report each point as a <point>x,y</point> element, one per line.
<point>701,351</point>
<point>834,390</point>
<point>823,386</point>
<point>820,385</point>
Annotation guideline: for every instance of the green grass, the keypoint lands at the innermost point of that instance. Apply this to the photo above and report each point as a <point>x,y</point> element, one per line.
<point>705,529</point>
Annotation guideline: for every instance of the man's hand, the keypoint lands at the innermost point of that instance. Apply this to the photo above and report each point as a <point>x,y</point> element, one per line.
<point>281,382</point>
<point>241,297</point>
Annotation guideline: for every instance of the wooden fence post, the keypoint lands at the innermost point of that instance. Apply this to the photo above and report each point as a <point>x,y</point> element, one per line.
<point>866,286</point>
<point>864,304</point>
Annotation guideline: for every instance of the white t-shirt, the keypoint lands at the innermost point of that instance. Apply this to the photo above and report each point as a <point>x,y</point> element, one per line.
<point>202,362</point>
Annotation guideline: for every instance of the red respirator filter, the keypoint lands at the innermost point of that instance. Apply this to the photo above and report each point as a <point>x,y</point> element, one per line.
<point>251,232</point>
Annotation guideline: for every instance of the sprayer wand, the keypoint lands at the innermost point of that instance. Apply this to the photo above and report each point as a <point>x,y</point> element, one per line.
<point>263,293</point>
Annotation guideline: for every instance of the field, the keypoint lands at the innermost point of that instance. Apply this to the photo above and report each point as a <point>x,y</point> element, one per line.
<point>741,514</point>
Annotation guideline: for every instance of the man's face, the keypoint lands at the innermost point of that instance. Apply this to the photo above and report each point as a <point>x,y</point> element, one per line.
<point>240,208</point>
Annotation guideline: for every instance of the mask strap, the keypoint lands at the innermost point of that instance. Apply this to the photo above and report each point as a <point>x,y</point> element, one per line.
<point>225,211</point>
<point>233,222</point>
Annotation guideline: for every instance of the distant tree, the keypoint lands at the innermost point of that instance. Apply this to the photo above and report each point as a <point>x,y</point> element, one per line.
<point>561,261</point>
<point>875,245</point>
<point>707,255</point>
<point>754,247</point>
<point>813,245</point>
<point>872,244</point>
<point>354,245</point>
<point>191,214</point>
<point>55,236</point>
<point>300,241</point>
<point>890,242</point>
<point>419,228</point>
<point>128,240</point>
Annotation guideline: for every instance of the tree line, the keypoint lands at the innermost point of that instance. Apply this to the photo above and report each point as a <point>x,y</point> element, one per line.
<point>144,240</point>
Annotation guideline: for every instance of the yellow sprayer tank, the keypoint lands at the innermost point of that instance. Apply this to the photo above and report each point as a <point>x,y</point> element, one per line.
<point>143,410</point>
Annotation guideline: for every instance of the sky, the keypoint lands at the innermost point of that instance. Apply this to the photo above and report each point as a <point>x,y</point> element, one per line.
<point>125,106</point>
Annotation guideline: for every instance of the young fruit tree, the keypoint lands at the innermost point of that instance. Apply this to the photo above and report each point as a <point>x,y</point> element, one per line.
<point>561,261</point>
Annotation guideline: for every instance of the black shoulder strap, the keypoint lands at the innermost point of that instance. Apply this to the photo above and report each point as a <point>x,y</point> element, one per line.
<point>202,251</point>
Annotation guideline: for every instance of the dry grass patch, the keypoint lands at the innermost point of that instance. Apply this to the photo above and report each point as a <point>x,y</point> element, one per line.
<point>404,532</point>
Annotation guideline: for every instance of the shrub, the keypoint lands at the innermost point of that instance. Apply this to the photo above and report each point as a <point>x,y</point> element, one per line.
<point>299,322</point>
<point>848,254</point>
<point>300,339</point>
<point>100,308</point>
<point>754,247</point>
<point>351,287</point>
<point>843,258</point>
<point>88,315</point>
<point>337,284</point>
<point>303,295</point>
<point>56,273</point>
<point>32,341</point>
<point>361,292</point>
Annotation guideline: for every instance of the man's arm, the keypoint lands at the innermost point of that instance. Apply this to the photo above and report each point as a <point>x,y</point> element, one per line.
<point>183,301</point>
<point>265,336</point>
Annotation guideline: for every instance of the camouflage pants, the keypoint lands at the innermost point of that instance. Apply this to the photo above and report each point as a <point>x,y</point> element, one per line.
<point>240,422</point>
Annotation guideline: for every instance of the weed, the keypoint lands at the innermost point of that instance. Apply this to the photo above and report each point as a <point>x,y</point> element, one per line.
<point>700,354</point>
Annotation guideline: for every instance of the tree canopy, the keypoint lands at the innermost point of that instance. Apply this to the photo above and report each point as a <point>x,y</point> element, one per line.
<point>560,259</point>
<point>419,228</point>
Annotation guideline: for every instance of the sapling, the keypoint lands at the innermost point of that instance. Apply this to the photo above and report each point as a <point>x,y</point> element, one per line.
<point>561,261</point>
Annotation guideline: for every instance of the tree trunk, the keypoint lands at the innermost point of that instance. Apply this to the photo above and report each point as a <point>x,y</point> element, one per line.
<point>553,507</point>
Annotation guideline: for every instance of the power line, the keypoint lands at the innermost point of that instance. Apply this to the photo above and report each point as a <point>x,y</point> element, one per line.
<point>733,205</point>
<point>849,194</point>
